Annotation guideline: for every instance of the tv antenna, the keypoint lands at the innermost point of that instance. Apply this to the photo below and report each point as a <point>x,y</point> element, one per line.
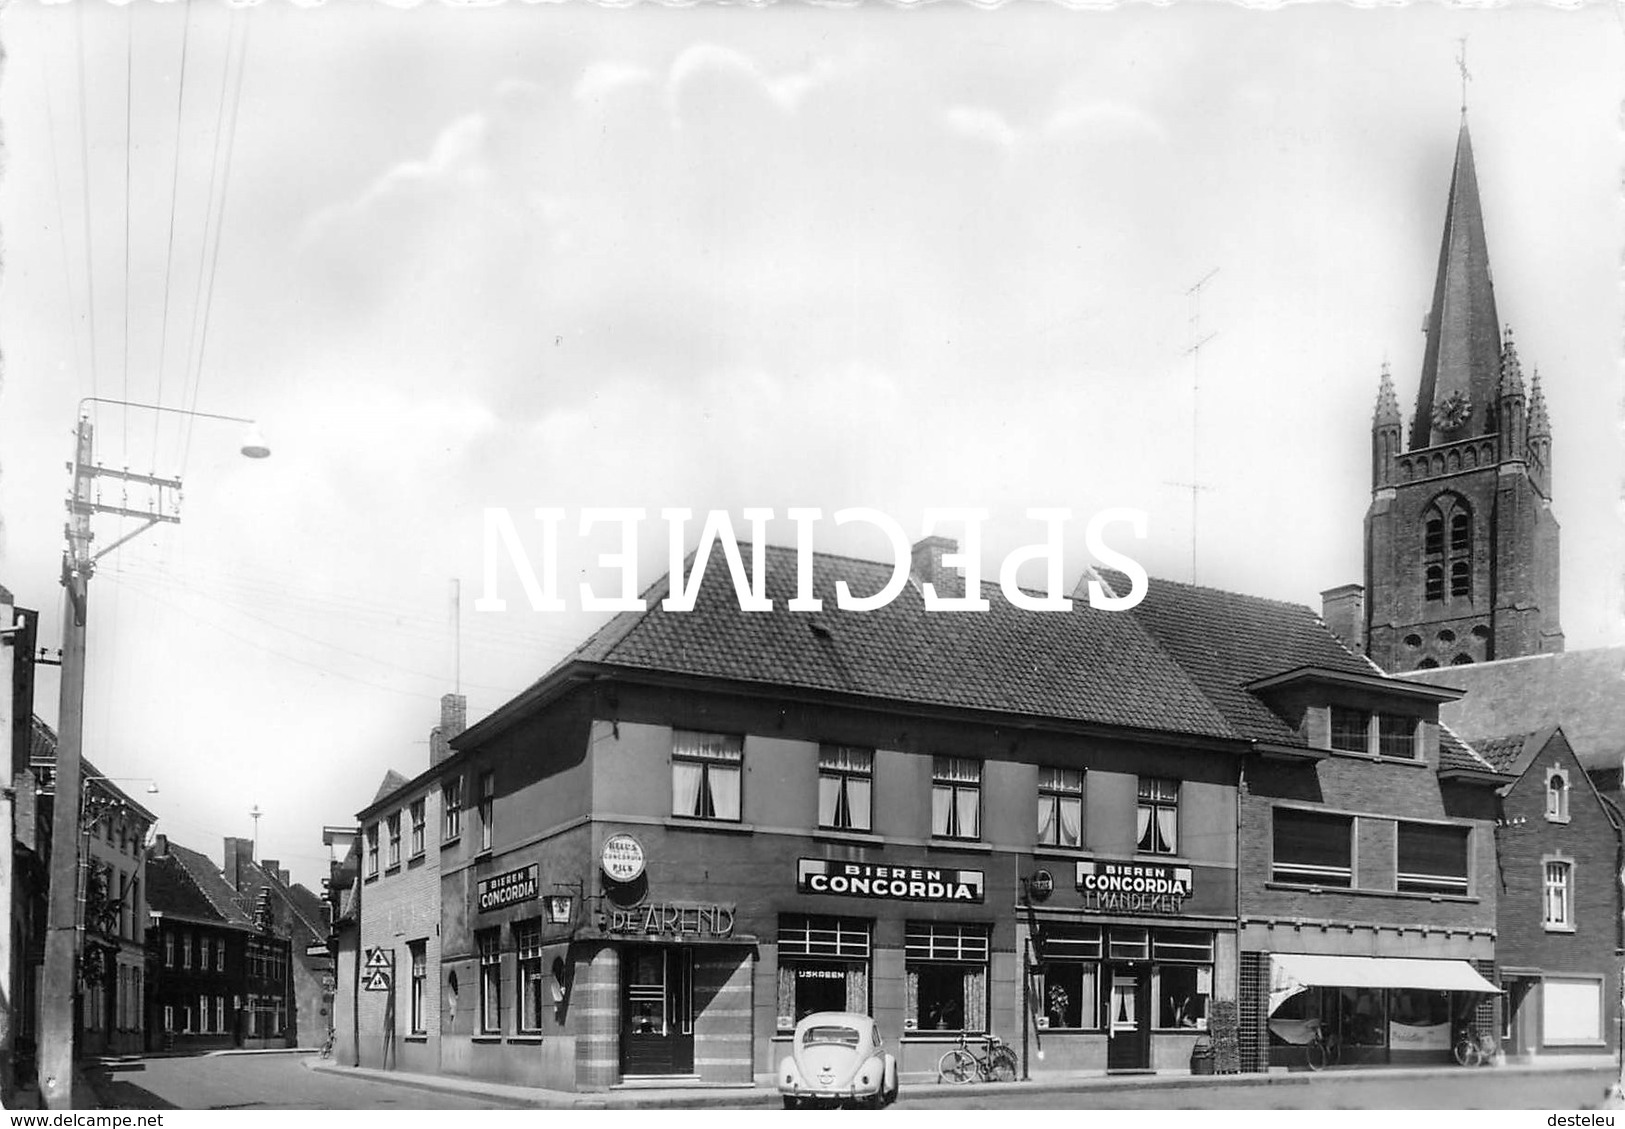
<point>1198,340</point>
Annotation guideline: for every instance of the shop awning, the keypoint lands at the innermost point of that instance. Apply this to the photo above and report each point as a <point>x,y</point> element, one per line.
<point>1291,973</point>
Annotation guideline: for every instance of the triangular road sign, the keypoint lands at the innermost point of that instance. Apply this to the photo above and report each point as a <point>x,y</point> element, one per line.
<point>380,958</point>
<point>376,981</point>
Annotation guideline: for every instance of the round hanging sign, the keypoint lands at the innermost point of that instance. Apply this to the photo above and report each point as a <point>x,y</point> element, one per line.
<point>622,858</point>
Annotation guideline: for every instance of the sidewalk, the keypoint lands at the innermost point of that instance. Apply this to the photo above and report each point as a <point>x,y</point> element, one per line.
<point>692,1097</point>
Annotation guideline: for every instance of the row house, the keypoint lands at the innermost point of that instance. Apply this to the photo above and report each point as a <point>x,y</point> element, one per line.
<point>1094,833</point>
<point>294,913</point>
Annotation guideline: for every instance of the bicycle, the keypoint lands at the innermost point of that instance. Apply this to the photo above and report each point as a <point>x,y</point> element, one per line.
<point>961,1064</point>
<point>1323,1049</point>
<point>327,1045</point>
<point>1473,1049</point>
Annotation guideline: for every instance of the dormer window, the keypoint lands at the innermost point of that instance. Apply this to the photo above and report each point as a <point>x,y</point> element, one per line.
<point>1351,730</point>
<point>1396,736</point>
<point>1557,796</point>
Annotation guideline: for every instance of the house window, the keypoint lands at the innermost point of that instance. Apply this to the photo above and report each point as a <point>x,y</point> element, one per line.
<point>1396,736</point>
<point>204,945</point>
<point>1559,916</point>
<point>419,808</point>
<point>1432,858</point>
<point>186,950</point>
<point>372,851</point>
<point>1312,848</point>
<point>1182,965</point>
<point>394,823</point>
<point>420,964</point>
<point>705,771</point>
<point>203,1015</point>
<point>1060,806</point>
<point>169,949</point>
<point>220,1014</point>
<point>527,937</point>
<point>1557,796</point>
<point>956,798</point>
<point>823,966</point>
<point>220,956</point>
<point>1068,978</point>
<point>945,974</point>
<point>845,785</point>
<point>490,981</point>
<point>135,909</point>
<point>488,795</point>
<point>169,1017</point>
<point>1156,826</point>
<point>1351,730</point>
<point>451,797</point>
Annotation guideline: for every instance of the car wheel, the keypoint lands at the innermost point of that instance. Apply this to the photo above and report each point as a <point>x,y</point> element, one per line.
<point>791,1103</point>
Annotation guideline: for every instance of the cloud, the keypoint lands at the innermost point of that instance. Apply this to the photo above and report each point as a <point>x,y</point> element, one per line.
<point>787,91</point>
<point>982,124</point>
<point>602,79</point>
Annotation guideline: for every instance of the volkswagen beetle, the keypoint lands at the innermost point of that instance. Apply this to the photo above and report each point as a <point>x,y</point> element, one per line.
<point>836,1057</point>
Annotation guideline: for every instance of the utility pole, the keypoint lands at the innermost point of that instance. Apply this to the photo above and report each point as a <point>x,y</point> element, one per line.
<point>58,989</point>
<point>8,796</point>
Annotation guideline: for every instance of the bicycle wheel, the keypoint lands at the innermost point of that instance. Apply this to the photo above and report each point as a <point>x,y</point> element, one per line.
<point>1001,1066</point>
<point>957,1065</point>
<point>1314,1053</point>
<point>1467,1052</point>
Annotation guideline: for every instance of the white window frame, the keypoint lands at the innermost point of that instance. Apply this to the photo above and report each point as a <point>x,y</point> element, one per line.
<point>1558,811</point>
<point>952,778</point>
<point>451,801</point>
<point>1564,921</point>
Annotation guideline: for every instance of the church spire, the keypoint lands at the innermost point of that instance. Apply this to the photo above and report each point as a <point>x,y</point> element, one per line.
<point>1461,364</point>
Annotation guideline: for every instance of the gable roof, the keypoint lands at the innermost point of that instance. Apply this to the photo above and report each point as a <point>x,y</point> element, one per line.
<point>392,782</point>
<point>1583,691</point>
<point>185,882</point>
<point>1083,666</point>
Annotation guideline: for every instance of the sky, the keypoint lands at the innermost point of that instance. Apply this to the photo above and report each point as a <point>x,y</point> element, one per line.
<point>715,257</point>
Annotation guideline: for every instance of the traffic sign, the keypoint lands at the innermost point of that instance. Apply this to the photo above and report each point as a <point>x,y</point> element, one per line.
<point>380,957</point>
<point>376,981</point>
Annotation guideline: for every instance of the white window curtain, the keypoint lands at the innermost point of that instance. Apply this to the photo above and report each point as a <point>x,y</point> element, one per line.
<point>942,800</point>
<point>976,999</point>
<point>724,783</point>
<point>857,989</point>
<point>829,798</point>
<point>911,998</point>
<point>1142,825</point>
<point>967,802</point>
<point>685,788</point>
<point>857,803</point>
<point>1167,830</point>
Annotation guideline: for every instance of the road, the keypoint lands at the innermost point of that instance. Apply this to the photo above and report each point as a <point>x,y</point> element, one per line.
<point>282,1081</point>
<point>264,1081</point>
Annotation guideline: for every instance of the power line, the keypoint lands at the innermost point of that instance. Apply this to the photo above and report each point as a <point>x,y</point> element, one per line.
<point>129,104</point>
<point>84,157</point>
<point>62,232</point>
<point>174,196</point>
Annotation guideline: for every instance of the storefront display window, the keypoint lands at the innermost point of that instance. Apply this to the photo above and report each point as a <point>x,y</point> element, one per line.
<point>946,974</point>
<point>490,981</point>
<point>1067,981</point>
<point>823,966</point>
<point>527,937</point>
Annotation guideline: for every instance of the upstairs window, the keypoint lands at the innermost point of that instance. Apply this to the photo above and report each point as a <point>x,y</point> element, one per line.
<point>1557,796</point>
<point>372,851</point>
<point>705,774</point>
<point>394,823</point>
<point>487,808</point>
<point>1060,807</point>
<point>845,786</point>
<point>1433,858</point>
<point>419,808</point>
<point>451,802</point>
<point>1351,730</point>
<point>1559,902</point>
<point>1157,816</point>
<point>956,798</point>
<point>1312,848</point>
<point>1396,736</point>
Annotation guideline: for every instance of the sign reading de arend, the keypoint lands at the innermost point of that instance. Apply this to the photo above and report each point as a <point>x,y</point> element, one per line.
<point>508,889</point>
<point>1133,887</point>
<point>900,883</point>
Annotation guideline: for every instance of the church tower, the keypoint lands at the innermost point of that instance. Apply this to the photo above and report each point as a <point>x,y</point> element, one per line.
<point>1460,541</point>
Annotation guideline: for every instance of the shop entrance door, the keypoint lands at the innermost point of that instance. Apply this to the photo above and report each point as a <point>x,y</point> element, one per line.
<point>657,1020</point>
<point>1128,1028</point>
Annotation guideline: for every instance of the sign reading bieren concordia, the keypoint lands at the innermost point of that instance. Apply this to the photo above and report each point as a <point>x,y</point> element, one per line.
<point>901,883</point>
<point>508,889</point>
<point>1133,887</point>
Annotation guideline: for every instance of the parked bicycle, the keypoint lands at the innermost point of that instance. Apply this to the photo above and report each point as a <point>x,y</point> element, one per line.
<point>962,1064</point>
<point>1473,1049</point>
<point>1324,1047</point>
<point>327,1044</point>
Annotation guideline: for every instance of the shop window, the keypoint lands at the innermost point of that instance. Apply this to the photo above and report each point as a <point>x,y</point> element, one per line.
<point>1125,942</point>
<point>487,808</point>
<point>1559,901</point>
<point>956,798</point>
<point>372,851</point>
<point>1312,848</point>
<point>451,804</point>
<point>1432,858</point>
<point>1396,736</point>
<point>394,825</point>
<point>527,939</point>
<point>845,785</point>
<point>1060,807</point>
<point>945,974</point>
<point>1557,796</point>
<point>705,775</point>
<point>490,981</point>
<point>418,950</point>
<point>1351,730</point>
<point>1067,979</point>
<point>1157,817</point>
<point>823,966</point>
<point>1184,970</point>
<point>419,814</point>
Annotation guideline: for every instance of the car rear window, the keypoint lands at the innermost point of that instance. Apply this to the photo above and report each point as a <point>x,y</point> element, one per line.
<point>818,1036</point>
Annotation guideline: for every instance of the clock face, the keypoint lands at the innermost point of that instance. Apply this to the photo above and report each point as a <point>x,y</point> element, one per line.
<point>1452,412</point>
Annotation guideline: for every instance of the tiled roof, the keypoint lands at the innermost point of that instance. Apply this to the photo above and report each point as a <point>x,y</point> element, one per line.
<point>1458,754</point>
<point>1082,666</point>
<point>1224,640</point>
<point>1501,752</point>
<point>195,883</point>
<point>1583,691</point>
<point>392,781</point>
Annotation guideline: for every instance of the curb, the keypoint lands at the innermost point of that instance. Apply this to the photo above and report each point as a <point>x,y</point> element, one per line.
<point>763,1097</point>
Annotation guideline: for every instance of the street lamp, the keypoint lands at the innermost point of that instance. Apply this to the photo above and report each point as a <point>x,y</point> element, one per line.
<point>78,562</point>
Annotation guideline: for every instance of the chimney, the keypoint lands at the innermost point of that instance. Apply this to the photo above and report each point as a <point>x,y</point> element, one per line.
<point>453,720</point>
<point>282,877</point>
<point>1343,611</point>
<point>270,867</point>
<point>239,853</point>
<point>926,567</point>
<point>160,846</point>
